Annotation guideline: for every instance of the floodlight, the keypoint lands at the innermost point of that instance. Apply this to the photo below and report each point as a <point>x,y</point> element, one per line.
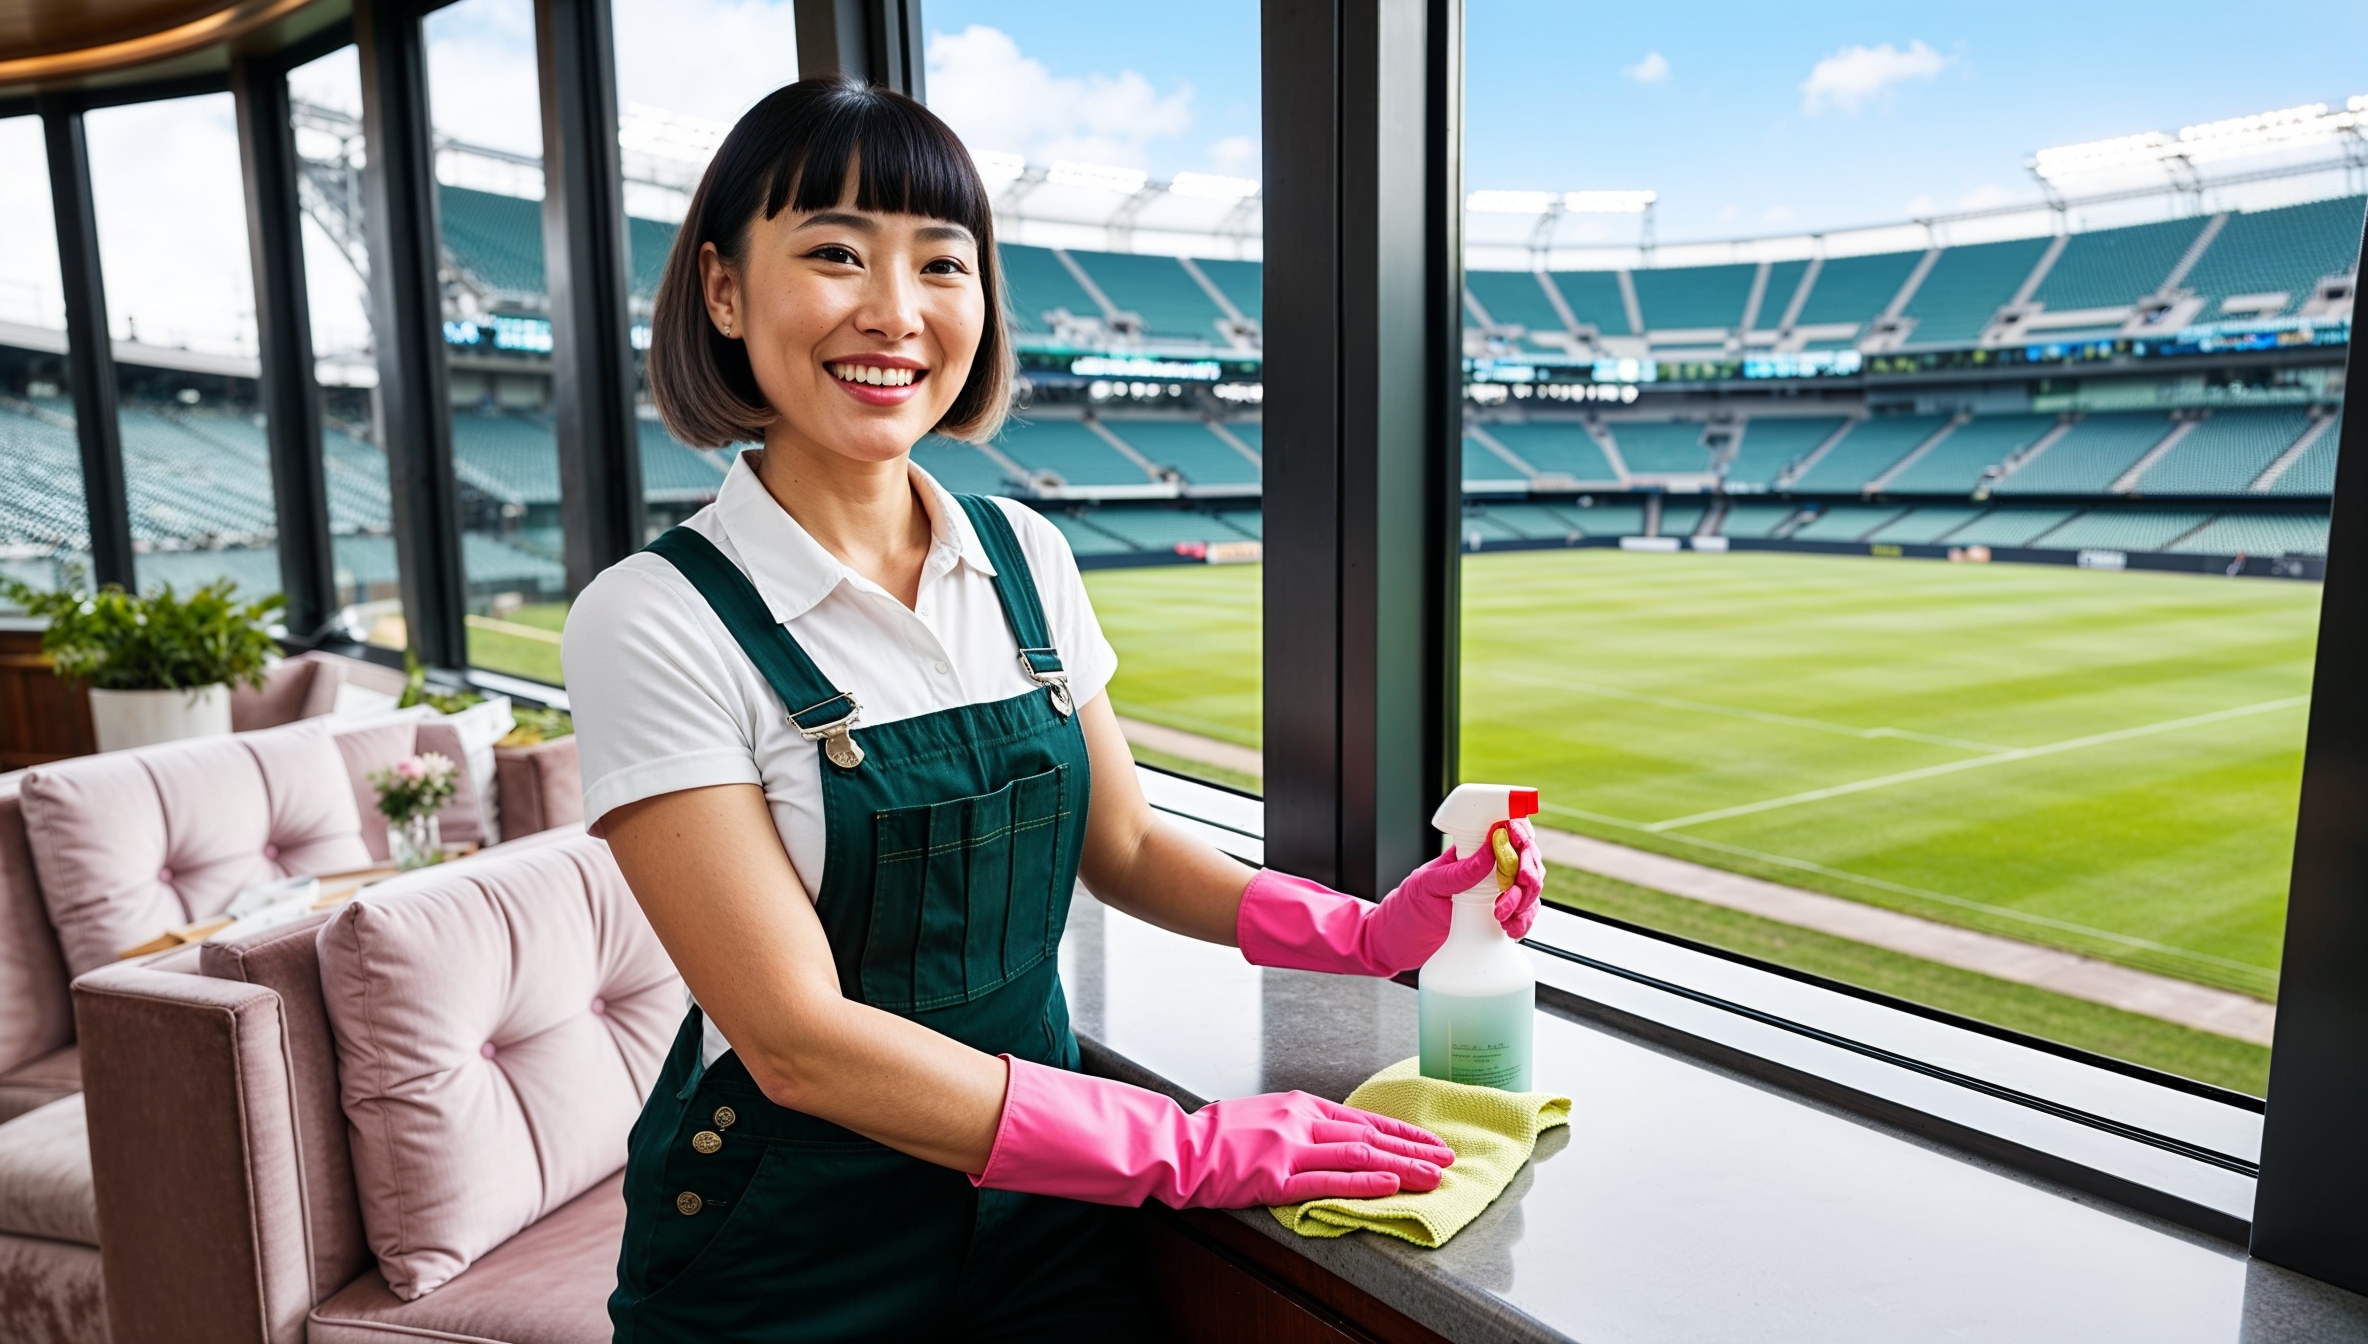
<point>1609,202</point>
<point>1210,186</point>
<point>998,168</point>
<point>1097,176</point>
<point>2285,128</point>
<point>1511,202</point>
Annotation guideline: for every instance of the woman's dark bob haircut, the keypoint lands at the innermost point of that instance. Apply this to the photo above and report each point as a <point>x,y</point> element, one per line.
<point>794,150</point>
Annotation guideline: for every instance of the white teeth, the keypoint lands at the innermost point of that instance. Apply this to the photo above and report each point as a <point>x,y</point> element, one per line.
<point>872,375</point>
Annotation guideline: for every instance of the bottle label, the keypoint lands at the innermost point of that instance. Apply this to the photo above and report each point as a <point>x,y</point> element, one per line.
<point>1485,1042</point>
<point>1483,1064</point>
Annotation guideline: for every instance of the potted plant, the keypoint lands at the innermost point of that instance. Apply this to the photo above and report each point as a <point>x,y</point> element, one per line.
<point>159,665</point>
<point>410,794</point>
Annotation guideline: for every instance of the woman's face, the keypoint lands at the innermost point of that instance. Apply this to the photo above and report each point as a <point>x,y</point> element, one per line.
<point>860,326</point>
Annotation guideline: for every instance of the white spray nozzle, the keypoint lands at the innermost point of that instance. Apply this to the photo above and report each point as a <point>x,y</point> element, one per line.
<point>1472,809</point>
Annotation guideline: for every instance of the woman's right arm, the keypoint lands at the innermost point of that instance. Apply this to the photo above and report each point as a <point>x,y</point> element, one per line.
<point>710,872</point>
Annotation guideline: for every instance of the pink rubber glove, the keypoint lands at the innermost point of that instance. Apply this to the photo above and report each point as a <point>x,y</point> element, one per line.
<point>1291,922</point>
<point>1105,1142</point>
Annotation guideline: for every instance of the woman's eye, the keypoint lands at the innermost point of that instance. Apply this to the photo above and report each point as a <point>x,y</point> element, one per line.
<point>945,266</point>
<point>839,255</point>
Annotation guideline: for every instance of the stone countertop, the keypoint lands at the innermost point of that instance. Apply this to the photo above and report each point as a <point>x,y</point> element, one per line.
<point>1683,1203</point>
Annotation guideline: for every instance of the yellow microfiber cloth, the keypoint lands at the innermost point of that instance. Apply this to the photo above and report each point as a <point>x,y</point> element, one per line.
<point>1491,1132</point>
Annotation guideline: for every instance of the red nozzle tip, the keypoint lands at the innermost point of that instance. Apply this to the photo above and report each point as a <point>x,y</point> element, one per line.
<point>1521,803</point>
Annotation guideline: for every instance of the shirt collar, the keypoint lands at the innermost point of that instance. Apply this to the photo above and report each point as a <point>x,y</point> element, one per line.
<point>792,571</point>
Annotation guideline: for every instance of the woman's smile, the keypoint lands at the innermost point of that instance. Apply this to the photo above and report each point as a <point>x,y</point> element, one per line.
<point>877,380</point>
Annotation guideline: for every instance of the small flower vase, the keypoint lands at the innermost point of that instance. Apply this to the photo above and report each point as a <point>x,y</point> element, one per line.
<point>415,843</point>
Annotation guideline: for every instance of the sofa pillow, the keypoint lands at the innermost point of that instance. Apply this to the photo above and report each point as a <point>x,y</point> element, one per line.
<point>130,843</point>
<point>498,1022</point>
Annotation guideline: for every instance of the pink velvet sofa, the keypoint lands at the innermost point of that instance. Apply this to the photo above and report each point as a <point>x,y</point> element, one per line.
<point>103,853</point>
<point>405,1119</point>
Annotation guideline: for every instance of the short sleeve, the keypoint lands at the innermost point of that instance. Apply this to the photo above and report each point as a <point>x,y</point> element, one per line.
<point>1085,652</point>
<point>656,707</point>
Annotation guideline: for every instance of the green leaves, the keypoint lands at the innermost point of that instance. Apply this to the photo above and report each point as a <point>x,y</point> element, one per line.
<point>119,641</point>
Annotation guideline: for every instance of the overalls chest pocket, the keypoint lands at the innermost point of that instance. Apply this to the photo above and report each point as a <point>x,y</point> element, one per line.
<point>965,893</point>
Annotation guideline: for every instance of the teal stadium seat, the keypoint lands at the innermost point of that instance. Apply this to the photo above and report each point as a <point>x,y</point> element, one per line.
<point>2282,251</point>
<point>1606,518</point>
<point>2090,456</point>
<point>2225,452</point>
<point>1172,305</point>
<point>961,467</point>
<point>672,473</point>
<point>1773,442</point>
<point>1556,448</point>
<point>1783,278</point>
<point>1853,289</point>
<point>1482,466</point>
<point>1661,447</point>
<point>1538,522</point>
<point>1967,287</point>
<point>1866,452</point>
<point>2110,267</point>
<point>1085,539</point>
<point>2313,473</point>
<point>2123,530</point>
<point>1847,522</point>
<point>2008,527</point>
<point>1755,521</point>
<point>1514,298</point>
<point>1683,297</point>
<point>1158,528</point>
<point>1067,448</point>
<point>2257,534</point>
<point>1594,299</point>
<point>512,458</point>
<point>1039,283</point>
<point>1925,526</point>
<point>1956,464</point>
<point>1243,282</point>
<point>1679,518</point>
<point>1190,448</point>
<point>497,239</point>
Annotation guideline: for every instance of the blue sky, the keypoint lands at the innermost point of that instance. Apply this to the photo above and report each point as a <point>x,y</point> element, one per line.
<point>1568,95</point>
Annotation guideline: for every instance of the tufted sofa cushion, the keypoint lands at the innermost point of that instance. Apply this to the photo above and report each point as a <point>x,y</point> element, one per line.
<point>131,843</point>
<point>498,1022</point>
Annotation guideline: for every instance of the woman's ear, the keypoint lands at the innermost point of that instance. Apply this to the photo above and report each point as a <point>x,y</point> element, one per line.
<point>721,288</point>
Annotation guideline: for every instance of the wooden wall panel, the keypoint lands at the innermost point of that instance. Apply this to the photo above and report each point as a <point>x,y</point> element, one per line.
<point>40,719</point>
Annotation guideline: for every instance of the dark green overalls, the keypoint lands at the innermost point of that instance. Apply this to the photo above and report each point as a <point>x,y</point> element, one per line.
<point>952,843</point>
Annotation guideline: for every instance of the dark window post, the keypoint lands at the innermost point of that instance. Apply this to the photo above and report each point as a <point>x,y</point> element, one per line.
<point>283,327</point>
<point>1363,379</point>
<point>407,321</point>
<point>90,351</point>
<point>585,264</point>
<point>875,40</point>
<point>2314,1169</point>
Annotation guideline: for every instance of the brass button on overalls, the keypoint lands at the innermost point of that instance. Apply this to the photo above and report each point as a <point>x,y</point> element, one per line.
<point>687,1203</point>
<point>707,1141</point>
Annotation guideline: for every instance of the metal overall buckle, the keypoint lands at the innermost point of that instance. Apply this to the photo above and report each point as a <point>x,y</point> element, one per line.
<point>843,751</point>
<point>1054,679</point>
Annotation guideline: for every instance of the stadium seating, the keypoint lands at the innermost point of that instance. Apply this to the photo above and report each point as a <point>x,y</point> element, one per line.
<point>1157,289</point>
<point>1159,529</point>
<point>2283,252</point>
<point>1957,463</point>
<point>2256,534</point>
<point>1870,447</point>
<point>510,458</point>
<point>1967,287</point>
<point>1539,522</point>
<point>2224,452</point>
<point>2008,527</point>
<point>1480,526</point>
<point>1756,521</point>
<point>1251,523</point>
<point>1846,522</point>
<point>1087,540</point>
<point>960,467</point>
<point>1556,448</point>
<point>1783,278</point>
<point>1039,284</point>
<point>2090,456</point>
<point>2313,473</point>
<point>2109,268</point>
<point>2122,530</point>
<point>1514,298</point>
<point>496,239</point>
<point>1693,297</point>
<point>1069,450</point>
<point>1927,526</point>
<point>673,474</point>
<point>1484,467</point>
<point>1661,447</point>
<point>1241,281</point>
<point>1851,289</point>
<point>1680,517</point>
<point>1772,443</point>
<point>1189,447</point>
<point>1594,299</point>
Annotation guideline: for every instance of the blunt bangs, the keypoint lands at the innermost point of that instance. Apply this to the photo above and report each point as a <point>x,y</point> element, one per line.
<point>796,150</point>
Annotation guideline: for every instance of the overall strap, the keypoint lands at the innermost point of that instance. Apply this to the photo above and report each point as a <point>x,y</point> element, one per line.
<point>827,712</point>
<point>1015,588</point>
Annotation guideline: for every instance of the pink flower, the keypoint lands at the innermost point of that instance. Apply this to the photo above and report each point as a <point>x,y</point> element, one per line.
<point>411,767</point>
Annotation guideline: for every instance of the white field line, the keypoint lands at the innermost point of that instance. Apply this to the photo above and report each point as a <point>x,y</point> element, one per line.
<point>1924,893</point>
<point>513,629</point>
<point>1757,715</point>
<point>1977,762</point>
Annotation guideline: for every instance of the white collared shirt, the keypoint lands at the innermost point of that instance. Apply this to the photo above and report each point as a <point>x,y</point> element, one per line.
<point>665,700</point>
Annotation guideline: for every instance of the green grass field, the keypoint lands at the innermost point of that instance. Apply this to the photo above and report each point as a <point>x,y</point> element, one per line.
<point>2106,762</point>
<point>521,643</point>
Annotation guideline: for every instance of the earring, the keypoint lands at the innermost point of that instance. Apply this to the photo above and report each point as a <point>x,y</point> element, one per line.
<point>727,331</point>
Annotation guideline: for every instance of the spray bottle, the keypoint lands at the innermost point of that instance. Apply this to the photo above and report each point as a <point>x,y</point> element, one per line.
<point>1478,994</point>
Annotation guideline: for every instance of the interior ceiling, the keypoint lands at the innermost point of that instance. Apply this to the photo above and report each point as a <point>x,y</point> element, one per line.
<point>48,27</point>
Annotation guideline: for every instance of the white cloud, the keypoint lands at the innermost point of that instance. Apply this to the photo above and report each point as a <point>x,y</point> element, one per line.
<point>1990,194</point>
<point>1236,155</point>
<point>1000,99</point>
<point>1920,205</point>
<point>1651,70</point>
<point>173,223</point>
<point>1778,214</point>
<point>481,75</point>
<point>705,58</point>
<point>1855,76</point>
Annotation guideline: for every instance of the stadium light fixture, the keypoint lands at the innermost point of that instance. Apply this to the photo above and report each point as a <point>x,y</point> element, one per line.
<point>2235,137</point>
<point>1097,176</point>
<point>1608,202</point>
<point>1213,187</point>
<point>1511,202</point>
<point>998,169</point>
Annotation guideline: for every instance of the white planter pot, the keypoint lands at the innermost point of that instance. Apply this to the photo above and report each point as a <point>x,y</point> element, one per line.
<point>144,718</point>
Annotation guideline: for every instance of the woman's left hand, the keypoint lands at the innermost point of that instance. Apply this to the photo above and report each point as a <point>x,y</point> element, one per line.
<point>1291,922</point>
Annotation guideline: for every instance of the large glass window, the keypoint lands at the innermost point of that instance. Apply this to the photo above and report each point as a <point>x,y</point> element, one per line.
<point>1122,148</point>
<point>497,332</point>
<point>44,528</point>
<point>1849,511</point>
<point>181,302</point>
<point>326,107</point>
